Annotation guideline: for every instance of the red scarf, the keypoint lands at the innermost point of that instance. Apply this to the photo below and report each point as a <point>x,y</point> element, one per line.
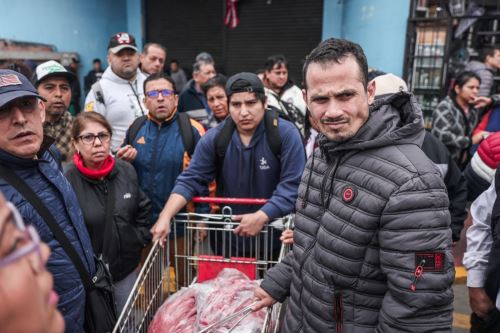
<point>105,169</point>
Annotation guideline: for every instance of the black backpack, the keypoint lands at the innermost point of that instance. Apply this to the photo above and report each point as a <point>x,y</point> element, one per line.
<point>271,118</point>
<point>187,133</point>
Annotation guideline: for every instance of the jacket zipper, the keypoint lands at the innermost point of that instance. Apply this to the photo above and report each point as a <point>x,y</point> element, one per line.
<point>338,312</point>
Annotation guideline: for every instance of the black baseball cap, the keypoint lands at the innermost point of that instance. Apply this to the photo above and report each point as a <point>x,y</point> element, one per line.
<point>120,41</point>
<point>15,85</point>
<point>244,82</point>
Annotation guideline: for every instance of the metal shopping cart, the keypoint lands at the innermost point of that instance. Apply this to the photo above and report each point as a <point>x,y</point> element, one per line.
<point>201,245</point>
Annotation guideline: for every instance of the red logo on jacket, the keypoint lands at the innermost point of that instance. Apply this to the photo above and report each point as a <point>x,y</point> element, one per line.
<point>348,194</point>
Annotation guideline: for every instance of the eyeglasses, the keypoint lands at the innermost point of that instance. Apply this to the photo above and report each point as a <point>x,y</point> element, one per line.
<point>89,139</point>
<point>32,241</point>
<point>156,93</point>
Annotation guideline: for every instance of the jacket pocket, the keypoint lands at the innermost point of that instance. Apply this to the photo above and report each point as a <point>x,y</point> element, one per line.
<point>338,312</point>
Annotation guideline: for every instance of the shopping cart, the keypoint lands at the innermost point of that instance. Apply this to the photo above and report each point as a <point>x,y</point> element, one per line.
<point>203,245</point>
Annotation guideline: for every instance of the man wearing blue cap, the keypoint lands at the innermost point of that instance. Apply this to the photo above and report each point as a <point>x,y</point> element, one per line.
<point>24,151</point>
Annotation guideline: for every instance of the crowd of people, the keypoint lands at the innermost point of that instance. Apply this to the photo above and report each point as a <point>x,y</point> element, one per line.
<point>378,200</point>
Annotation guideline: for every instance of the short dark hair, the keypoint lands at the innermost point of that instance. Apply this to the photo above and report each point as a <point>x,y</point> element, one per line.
<point>96,60</point>
<point>487,51</point>
<point>277,59</point>
<point>335,50</point>
<point>156,77</point>
<point>218,80</point>
<point>148,45</point>
<point>174,61</point>
<point>461,79</point>
<point>85,117</point>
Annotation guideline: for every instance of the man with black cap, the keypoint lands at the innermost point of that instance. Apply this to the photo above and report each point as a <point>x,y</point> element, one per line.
<point>119,95</point>
<point>53,83</point>
<point>23,153</point>
<point>248,167</point>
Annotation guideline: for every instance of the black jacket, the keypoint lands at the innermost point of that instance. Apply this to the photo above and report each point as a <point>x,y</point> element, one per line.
<point>130,229</point>
<point>191,99</point>
<point>453,179</point>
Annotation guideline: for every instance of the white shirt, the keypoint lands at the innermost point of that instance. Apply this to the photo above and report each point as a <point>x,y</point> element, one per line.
<point>480,240</point>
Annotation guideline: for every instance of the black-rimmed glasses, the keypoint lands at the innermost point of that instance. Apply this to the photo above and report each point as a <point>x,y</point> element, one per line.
<point>89,138</point>
<point>156,93</point>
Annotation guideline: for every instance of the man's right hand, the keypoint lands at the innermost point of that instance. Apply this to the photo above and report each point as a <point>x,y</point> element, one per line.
<point>479,301</point>
<point>161,230</point>
<point>126,153</point>
<point>263,299</point>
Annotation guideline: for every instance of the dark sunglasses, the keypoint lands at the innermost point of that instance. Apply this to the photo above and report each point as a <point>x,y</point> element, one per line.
<point>156,93</point>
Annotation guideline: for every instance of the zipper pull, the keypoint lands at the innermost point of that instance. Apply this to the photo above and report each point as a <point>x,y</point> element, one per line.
<point>419,271</point>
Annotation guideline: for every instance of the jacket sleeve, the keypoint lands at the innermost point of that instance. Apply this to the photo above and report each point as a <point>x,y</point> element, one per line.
<point>457,194</point>
<point>441,128</point>
<point>293,160</point>
<point>144,205</point>
<point>414,225</point>
<point>142,219</point>
<point>201,170</point>
<point>278,279</point>
<point>479,239</point>
<point>199,132</point>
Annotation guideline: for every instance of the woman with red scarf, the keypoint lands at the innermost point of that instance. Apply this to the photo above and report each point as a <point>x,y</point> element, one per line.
<point>114,208</point>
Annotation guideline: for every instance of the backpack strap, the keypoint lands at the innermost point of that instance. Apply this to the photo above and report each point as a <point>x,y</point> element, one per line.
<point>221,143</point>
<point>98,93</point>
<point>187,133</point>
<point>134,129</point>
<point>223,139</point>
<point>271,119</point>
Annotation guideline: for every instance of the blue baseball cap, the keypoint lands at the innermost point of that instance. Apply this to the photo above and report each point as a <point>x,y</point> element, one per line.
<point>15,85</point>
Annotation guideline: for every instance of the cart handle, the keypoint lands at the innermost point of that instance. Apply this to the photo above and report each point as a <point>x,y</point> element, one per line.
<point>229,201</point>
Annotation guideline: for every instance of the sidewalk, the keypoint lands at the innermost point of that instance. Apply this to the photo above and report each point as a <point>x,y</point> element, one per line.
<point>461,314</point>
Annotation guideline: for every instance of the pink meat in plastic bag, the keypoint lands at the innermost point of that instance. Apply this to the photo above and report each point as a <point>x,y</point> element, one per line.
<point>177,314</point>
<point>232,292</point>
<point>194,308</point>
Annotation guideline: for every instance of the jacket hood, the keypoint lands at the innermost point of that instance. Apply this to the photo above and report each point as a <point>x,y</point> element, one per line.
<point>110,75</point>
<point>394,119</point>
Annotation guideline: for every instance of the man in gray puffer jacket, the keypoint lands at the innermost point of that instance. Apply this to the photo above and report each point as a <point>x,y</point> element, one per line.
<point>372,243</point>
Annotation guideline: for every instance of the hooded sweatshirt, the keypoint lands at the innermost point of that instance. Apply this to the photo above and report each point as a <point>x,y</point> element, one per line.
<point>123,103</point>
<point>248,172</point>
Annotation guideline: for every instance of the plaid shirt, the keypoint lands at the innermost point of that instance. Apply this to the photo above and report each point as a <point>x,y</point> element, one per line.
<point>60,130</point>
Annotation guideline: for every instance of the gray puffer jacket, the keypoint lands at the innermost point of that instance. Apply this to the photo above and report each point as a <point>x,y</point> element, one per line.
<point>371,211</point>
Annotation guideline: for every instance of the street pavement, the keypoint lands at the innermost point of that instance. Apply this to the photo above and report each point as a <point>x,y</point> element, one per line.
<point>461,308</point>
